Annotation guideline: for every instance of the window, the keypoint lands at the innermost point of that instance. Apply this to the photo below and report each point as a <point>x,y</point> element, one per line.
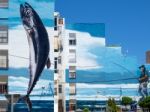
<point>56,44</point>
<point>3,34</point>
<point>3,59</point>
<point>3,88</point>
<point>61,22</point>
<point>72,68</point>
<point>72,39</point>
<point>55,23</point>
<point>3,3</point>
<point>72,56</point>
<point>55,87</point>
<point>72,75</point>
<point>72,72</point>
<point>55,65</point>
<point>59,60</point>
<point>3,84</point>
<point>72,107</point>
<point>60,88</point>
<point>72,104</point>
<point>55,91</point>
<point>72,88</point>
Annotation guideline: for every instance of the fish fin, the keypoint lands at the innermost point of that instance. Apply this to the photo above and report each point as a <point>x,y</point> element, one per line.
<point>28,102</point>
<point>48,64</point>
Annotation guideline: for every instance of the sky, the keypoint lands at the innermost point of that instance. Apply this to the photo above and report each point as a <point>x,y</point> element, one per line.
<point>127,21</point>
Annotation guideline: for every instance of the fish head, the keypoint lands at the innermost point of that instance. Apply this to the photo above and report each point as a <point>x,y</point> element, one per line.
<point>27,16</point>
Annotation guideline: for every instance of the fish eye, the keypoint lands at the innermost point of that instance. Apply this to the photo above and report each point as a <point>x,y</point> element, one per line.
<point>28,13</point>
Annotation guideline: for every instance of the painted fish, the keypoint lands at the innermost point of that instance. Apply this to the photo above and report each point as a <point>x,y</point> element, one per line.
<point>38,46</point>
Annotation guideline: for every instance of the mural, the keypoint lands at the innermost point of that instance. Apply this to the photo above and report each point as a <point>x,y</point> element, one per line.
<point>107,63</point>
<point>103,70</point>
<point>38,46</point>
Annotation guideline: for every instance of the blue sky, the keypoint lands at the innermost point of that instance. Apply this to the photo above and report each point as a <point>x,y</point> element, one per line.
<point>127,21</point>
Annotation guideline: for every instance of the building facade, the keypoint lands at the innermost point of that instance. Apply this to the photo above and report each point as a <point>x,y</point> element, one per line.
<point>59,64</point>
<point>72,71</point>
<point>4,48</point>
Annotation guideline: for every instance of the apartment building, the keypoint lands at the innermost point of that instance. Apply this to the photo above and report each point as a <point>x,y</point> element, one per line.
<point>72,71</point>
<point>59,64</point>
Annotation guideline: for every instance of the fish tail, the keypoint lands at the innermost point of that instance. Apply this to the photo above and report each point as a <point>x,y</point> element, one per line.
<point>28,102</point>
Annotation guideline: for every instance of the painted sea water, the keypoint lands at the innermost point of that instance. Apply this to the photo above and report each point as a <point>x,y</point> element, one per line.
<point>48,106</point>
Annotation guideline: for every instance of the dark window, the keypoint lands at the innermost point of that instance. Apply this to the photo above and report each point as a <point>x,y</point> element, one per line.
<point>72,39</point>
<point>72,42</point>
<point>3,89</point>
<point>60,88</point>
<point>3,84</point>
<point>56,71</point>
<point>72,104</point>
<point>55,23</point>
<point>55,28</point>
<point>55,65</point>
<point>72,107</point>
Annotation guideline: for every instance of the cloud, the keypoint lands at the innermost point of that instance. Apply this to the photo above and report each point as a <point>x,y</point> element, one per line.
<point>20,84</point>
<point>18,45</point>
<point>92,52</point>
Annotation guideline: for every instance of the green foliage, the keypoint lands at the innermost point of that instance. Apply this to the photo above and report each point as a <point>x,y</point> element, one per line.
<point>112,107</point>
<point>85,110</point>
<point>145,103</point>
<point>126,100</point>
